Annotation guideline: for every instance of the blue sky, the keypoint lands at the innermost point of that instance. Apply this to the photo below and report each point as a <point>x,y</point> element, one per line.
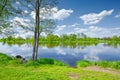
<point>95,18</point>
<point>81,7</point>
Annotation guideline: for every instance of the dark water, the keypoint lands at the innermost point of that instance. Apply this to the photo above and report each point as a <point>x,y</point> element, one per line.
<point>66,54</point>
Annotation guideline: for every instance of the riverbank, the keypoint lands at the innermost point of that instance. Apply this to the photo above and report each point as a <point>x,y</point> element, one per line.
<point>48,69</point>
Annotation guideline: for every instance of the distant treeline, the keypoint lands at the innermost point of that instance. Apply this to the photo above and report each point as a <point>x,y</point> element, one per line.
<point>64,40</point>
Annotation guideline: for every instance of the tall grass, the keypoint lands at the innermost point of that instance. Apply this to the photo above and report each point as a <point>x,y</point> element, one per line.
<point>45,61</point>
<point>83,63</point>
<point>104,64</point>
<point>47,69</point>
<point>5,60</point>
<point>115,64</point>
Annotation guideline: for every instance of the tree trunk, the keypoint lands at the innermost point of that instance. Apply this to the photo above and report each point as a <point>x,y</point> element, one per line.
<point>36,32</point>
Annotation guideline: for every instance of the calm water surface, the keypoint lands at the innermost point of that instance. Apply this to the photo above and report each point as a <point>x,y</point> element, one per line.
<point>66,54</point>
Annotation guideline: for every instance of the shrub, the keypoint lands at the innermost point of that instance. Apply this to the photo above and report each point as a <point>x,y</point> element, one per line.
<point>103,64</point>
<point>83,63</point>
<point>45,61</point>
<point>31,63</point>
<point>42,61</point>
<point>15,61</point>
<point>115,64</point>
<point>4,59</point>
<point>59,63</point>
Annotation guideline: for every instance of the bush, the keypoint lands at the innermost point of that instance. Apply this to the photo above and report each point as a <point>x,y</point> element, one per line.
<point>4,59</point>
<point>31,63</point>
<point>83,63</point>
<point>43,61</point>
<point>115,64</point>
<point>15,61</point>
<point>59,63</point>
<point>103,64</point>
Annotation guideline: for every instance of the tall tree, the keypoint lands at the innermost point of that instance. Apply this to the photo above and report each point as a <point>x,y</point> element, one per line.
<point>36,32</point>
<point>23,9</point>
<point>38,5</point>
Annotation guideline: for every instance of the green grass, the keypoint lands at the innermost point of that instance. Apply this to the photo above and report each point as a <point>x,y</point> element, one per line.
<point>44,61</point>
<point>51,73</point>
<point>83,63</point>
<point>47,69</point>
<point>103,64</point>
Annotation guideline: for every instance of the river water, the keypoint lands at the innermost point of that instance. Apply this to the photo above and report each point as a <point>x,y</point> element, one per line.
<point>66,54</point>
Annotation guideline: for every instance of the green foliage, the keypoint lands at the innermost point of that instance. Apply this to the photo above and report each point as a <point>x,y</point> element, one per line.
<point>4,59</point>
<point>48,69</point>
<point>11,72</point>
<point>5,7</point>
<point>83,63</point>
<point>103,64</point>
<point>59,63</point>
<point>15,62</point>
<point>108,64</point>
<point>65,40</point>
<point>115,64</point>
<point>45,61</point>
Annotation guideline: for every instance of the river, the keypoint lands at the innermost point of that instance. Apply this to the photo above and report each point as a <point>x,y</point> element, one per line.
<point>67,54</point>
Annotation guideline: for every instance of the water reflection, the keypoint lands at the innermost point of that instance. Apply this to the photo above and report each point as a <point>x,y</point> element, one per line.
<point>81,44</point>
<point>68,53</point>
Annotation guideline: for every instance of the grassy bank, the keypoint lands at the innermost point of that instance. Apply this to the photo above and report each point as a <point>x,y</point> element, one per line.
<point>103,64</point>
<point>47,69</point>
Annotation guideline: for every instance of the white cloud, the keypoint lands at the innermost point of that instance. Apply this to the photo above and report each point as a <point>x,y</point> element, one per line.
<point>60,28</point>
<point>28,24</point>
<point>75,25</point>
<point>54,13</point>
<point>68,33</point>
<point>22,33</point>
<point>95,28</point>
<point>33,14</point>
<point>91,31</point>
<point>18,3</point>
<point>26,12</point>
<point>43,34</point>
<point>79,30</point>
<point>61,14</point>
<point>19,21</point>
<point>117,16</point>
<point>66,29</point>
<point>95,31</point>
<point>94,18</point>
<point>20,27</point>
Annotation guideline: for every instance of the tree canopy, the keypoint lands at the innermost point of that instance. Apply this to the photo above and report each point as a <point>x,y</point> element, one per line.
<point>21,16</point>
<point>28,15</point>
